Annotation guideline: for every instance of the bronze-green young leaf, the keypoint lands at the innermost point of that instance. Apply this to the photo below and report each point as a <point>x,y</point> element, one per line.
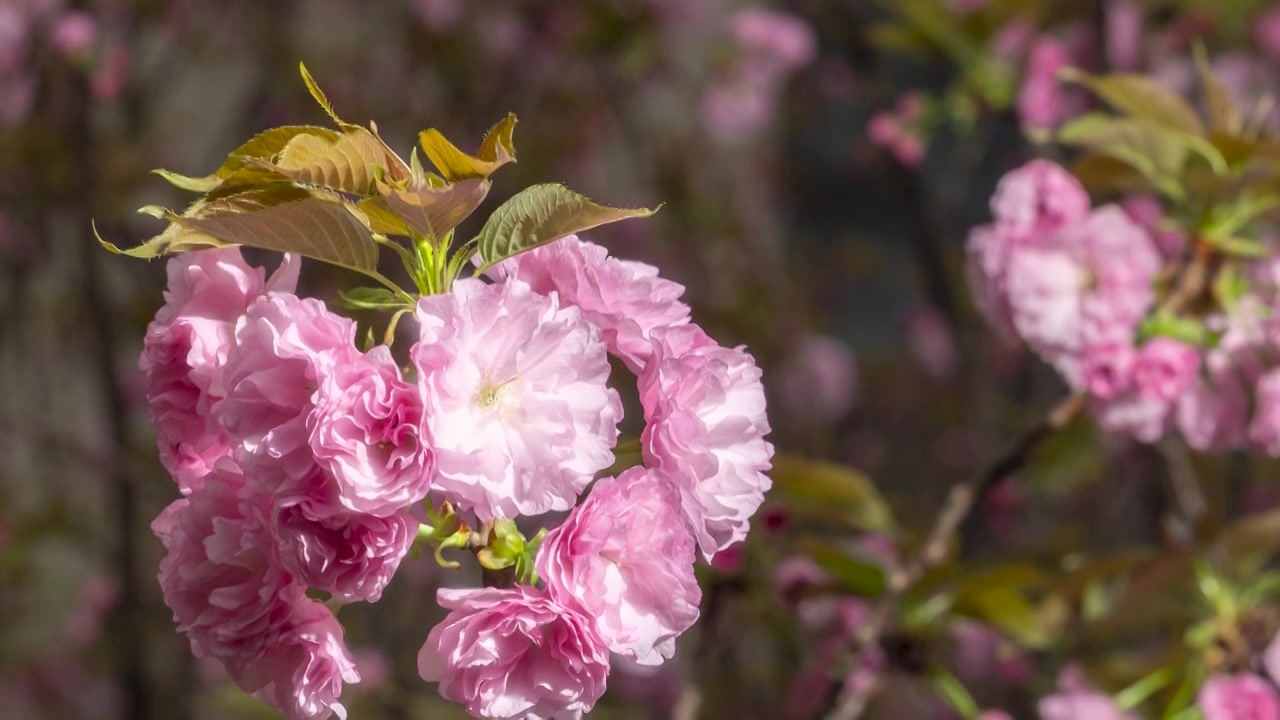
<point>263,146</point>
<point>1142,98</point>
<point>382,219</point>
<point>1224,113</point>
<point>497,146</point>
<point>175,238</point>
<point>1155,151</point>
<point>332,232</point>
<point>455,165</point>
<point>321,98</point>
<point>542,213</point>
<point>433,212</point>
<point>178,237</point>
<point>349,164</point>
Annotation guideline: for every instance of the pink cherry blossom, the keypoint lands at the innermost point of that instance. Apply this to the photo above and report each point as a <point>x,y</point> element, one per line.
<point>1042,101</point>
<point>704,410</point>
<point>303,671</point>
<point>74,34</point>
<point>1036,199</point>
<point>186,348</point>
<point>285,348</point>
<point>1238,697</point>
<point>734,109</point>
<point>521,417</point>
<point>220,577</point>
<point>1164,368</point>
<point>1124,21</point>
<point>1029,204</point>
<point>1088,283</point>
<point>1147,212</point>
<point>1077,700</point>
<point>779,38</point>
<point>1107,369</point>
<point>819,381</point>
<point>1143,418</point>
<point>368,433</point>
<point>1213,413</point>
<point>350,556</point>
<point>1271,658</point>
<point>514,653</point>
<point>1266,32</point>
<point>625,558</point>
<point>1264,429</point>
<point>625,299</point>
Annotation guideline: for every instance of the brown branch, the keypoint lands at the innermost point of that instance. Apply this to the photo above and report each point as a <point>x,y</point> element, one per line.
<point>957,508</point>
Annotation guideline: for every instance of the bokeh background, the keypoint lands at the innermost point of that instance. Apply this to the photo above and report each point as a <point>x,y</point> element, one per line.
<point>819,163</point>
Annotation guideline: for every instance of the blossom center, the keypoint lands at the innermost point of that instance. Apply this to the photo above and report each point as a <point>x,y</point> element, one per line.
<point>489,395</point>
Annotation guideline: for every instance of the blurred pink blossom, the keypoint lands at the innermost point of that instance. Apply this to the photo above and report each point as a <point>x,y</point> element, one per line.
<point>1164,368</point>
<point>1124,21</point>
<point>439,15</point>
<point>74,34</point>
<point>899,131</point>
<point>1043,102</point>
<point>1147,212</point>
<point>1266,32</point>
<point>1077,700</point>
<point>931,342</point>
<point>1238,697</point>
<point>819,381</point>
<point>98,596</point>
<point>775,37</point>
<point>109,81</point>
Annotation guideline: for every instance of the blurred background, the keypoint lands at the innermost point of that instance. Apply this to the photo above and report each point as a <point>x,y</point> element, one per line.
<point>819,162</point>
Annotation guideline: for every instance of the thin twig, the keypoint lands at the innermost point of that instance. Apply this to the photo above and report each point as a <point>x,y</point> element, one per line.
<point>961,500</point>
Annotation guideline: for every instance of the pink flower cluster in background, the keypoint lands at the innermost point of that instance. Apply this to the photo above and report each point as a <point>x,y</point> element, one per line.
<point>769,46</point>
<point>899,131</point>
<point>300,460</point>
<point>1075,284</point>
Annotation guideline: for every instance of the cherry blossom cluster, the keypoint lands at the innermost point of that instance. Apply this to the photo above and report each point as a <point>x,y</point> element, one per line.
<point>302,461</point>
<point>1085,289</point>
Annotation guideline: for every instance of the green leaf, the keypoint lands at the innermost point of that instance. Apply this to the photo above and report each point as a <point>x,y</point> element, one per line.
<point>1156,152</point>
<point>1142,98</point>
<point>1230,285</point>
<point>371,298</point>
<point>495,151</point>
<point>1239,246</point>
<point>542,213</point>
<point>858,575</point>
<point>955,693</point>
<point>319,229</point>
<point>263,146</point>
<point>998,596</point>
<point>432,213</point>
<point>1137,693</point>
<point>1183,329</point>
<point>828,489</point>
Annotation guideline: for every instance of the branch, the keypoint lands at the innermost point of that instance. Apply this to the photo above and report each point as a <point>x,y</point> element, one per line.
<point>957,508</point>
